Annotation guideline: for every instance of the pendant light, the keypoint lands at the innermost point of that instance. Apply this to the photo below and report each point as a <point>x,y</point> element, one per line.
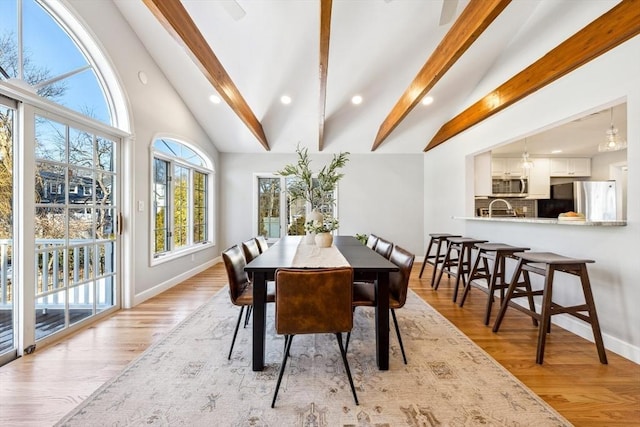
<point>526,163</point>
<point>612,142</point>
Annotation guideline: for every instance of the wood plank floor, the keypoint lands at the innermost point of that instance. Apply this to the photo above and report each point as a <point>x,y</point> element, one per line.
<point>38,390</point>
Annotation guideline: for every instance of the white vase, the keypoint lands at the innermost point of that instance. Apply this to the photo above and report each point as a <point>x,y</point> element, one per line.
<point>324,240</point>
<point>315,216</point>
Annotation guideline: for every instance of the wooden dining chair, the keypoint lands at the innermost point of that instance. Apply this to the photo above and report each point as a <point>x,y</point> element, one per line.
<point>314,301</point>
<point>240,287</point>
<point>364,293</point>
<point>262,243</point>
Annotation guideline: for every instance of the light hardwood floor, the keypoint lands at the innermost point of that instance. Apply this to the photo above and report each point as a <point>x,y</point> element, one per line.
<point>37,390</point>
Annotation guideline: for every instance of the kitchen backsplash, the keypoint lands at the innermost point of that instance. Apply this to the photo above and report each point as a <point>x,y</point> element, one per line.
<point>519,205</point>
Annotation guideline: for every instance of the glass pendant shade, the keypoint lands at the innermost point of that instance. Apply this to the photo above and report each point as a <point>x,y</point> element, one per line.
<point>612,142</point>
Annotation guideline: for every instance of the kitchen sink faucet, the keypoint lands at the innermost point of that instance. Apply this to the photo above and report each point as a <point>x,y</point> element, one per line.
<point>498,200</point>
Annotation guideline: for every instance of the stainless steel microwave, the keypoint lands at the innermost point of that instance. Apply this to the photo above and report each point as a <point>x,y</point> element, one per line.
<point>510,187</point>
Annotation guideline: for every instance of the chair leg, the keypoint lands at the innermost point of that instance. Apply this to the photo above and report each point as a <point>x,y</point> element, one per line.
<point>235,333</point>
<point>248,315</point>
<point>343,352</point>
<point>395,322</point>
<point>288,339</point>
<point>346,346</point>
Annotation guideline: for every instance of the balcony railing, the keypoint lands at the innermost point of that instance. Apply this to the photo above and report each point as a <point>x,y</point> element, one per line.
<point>84,268</point>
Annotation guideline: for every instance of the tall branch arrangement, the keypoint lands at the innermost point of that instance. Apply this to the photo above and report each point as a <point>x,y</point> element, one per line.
<point>319,191</point>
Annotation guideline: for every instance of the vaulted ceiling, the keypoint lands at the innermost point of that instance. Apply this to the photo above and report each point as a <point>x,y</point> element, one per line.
<point>321,53</point>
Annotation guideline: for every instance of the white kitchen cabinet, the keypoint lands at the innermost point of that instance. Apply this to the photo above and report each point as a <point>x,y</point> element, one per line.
<point>482,174</point>
<point>506,167</point>
<point>539,179</point>
<point>562,167</point>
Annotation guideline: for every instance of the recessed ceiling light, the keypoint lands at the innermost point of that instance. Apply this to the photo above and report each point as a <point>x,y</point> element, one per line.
<point>215,99</point>
<point>285,99</point>
<point>356,100</point>
<point>427,100</point>
<point>556,151</point>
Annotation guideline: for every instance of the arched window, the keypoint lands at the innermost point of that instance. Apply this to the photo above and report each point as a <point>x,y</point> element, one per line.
<point>45,51</point>
<point>181,197</point>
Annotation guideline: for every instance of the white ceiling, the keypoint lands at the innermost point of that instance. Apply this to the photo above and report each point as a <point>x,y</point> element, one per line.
<point>578,137</point>
<point>377,47</point>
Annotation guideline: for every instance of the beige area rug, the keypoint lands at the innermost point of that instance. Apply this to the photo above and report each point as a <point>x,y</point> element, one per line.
<point>186,379</point>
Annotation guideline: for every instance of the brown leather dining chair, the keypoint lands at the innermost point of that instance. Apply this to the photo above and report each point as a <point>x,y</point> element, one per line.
<point>372,240</point>
<point>364,294</point>
<point>384,247</point>
<point>240,287</point>
<point>262,243</point>
<point>251,249</point>
<point>314,301</point>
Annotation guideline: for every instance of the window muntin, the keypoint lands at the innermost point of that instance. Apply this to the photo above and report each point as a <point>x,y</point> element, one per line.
<point>181,214</point>
<point>75,212</point>
<point>277,214</point>
<point>45,57</point>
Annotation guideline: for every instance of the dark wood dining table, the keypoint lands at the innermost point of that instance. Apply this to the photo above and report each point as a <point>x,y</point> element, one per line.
<point>361,258</point>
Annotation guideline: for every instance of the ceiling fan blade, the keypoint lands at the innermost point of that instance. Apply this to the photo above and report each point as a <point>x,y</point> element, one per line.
<point>448,12</point>
<point>234,9</point>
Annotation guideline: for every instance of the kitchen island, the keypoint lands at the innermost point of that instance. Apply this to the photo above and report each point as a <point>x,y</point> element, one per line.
<point>533,220</point>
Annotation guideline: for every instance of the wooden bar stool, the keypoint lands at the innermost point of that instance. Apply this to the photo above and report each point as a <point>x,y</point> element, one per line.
<point>497,254</point>
<point>460,265</point>
<point>546,264</point>
<point>440,241</point>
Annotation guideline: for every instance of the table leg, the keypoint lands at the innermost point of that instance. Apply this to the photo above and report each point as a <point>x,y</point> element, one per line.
<point>382,321</point>
<point>259,318</point>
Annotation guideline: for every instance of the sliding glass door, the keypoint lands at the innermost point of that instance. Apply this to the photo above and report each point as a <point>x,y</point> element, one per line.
<point>8,318</point>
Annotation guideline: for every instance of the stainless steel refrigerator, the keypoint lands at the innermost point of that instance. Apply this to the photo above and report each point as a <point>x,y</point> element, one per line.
<point>595,199</point>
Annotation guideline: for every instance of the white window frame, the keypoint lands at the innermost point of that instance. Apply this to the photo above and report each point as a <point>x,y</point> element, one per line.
<point>283,203</point>
<point>208,170</point>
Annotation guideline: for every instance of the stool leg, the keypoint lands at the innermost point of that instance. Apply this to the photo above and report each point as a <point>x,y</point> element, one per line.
<point>593,316</point>
<point>507,297</point>
<point>492,286</point>
<point>527,286</point>
<point>545,316</point>
<point>435,264</point>
<point>426,257</point>
<point>471,274</point>
<point>447,256</point>
<point>460,272</point>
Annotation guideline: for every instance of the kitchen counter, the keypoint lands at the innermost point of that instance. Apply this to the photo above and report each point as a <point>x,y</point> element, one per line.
<point>531,220</point>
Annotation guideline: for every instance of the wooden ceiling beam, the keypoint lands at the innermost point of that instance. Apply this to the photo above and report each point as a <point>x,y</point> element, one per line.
<point>475,18</point>
<point>179,24</point>
<point>616,26</point>
<point>325,34</point>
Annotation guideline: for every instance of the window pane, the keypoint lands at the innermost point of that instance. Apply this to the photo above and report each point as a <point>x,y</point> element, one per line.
<point>50,314</point>
<point>160,183</point>
<point>104,188</point>
<point>80,186</point>
<point>8,38</point>
<point>269,207</point>
<point>199,207</point>
<point>50,183</point>
<point>177,150</point>
<point>180,206</point>
<point>296,213</point>
<point>80,148</point>
<point>51,140</point>
<point>105,154</point>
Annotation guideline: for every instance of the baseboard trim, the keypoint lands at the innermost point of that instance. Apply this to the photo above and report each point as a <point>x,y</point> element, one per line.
<point>170,283</point>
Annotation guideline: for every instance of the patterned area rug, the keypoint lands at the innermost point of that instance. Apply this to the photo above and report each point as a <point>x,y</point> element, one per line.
<point>186,379</point>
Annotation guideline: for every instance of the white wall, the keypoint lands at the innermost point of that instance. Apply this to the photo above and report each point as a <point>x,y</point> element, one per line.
<point>380,194</point>
<point>155,109</point>
<point>607,80</point>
